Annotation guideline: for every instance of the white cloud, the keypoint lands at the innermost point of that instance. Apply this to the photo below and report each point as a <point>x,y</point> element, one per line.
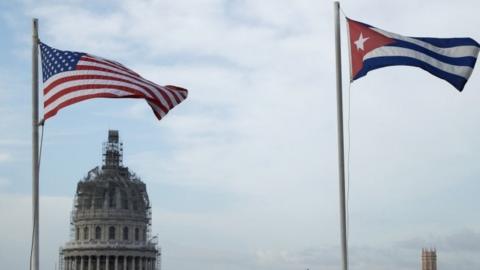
<point>5,157</point>
<point>16,229</point>
<point>10,142</point>
<point>4,182</point>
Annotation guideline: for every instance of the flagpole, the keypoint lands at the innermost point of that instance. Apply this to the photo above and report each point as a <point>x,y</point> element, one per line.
<point>35,164</point>
<point>341,151</point>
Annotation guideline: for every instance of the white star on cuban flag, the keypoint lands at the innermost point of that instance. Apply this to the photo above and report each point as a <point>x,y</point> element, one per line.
<point>361,40</point>
<point>364,40</point>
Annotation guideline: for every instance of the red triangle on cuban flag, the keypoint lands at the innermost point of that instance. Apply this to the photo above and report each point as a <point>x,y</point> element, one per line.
<point>363,40</point>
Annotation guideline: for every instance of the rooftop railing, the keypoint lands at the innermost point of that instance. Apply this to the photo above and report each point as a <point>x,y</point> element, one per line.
<point>108,213</point>
<point>110,244</point>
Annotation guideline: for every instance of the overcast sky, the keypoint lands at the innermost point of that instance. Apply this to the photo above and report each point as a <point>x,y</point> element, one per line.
<point>243,174</point>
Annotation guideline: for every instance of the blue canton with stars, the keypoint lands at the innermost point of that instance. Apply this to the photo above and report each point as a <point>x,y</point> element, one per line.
<point>56,61</point>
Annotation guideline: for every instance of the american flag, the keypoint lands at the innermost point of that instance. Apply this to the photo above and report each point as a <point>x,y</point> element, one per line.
<point>70,77</point>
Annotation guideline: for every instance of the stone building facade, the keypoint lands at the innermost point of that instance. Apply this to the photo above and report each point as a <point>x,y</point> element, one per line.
<point>111,219</point>
<point>429,259</point>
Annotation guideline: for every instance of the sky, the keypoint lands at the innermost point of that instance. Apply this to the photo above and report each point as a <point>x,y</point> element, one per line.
<point>243,174</point>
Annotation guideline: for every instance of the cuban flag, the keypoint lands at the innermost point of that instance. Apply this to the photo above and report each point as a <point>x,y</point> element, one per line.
<point>451,59</point>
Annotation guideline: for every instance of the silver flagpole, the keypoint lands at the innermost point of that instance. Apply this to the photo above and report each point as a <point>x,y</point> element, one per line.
<point>341,151</point>
<point>35,163</point>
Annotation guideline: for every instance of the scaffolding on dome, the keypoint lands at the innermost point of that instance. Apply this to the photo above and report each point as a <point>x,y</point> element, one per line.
<point>111,194</point>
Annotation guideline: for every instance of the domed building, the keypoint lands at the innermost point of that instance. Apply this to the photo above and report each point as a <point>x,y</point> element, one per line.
<point>111,219</point>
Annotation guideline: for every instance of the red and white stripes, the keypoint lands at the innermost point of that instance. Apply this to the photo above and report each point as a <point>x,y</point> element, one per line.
<point>95,77</point>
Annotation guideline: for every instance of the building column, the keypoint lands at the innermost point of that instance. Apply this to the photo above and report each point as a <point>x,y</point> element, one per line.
<point>124,262</point>
<point>116,262</point>
<point>65,263</point>
<point>133,263</point>
<point>89,263</point>
<point>107,261</point>
<point>81,263</point>
<point>98,263</point>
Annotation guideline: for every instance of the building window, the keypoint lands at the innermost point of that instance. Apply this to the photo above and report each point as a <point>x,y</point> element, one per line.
<point>98,203</point>
<point>112,203</point>
<point>87,203</point>
<point>111,233</point>
<point>98,232</point>
<point>77,234</point>
<point>85,233</point>
<point>124,200</point>
<point>137,234</point>
<point>125,233</point>
<point>144,235</point>
<point>135,207</point>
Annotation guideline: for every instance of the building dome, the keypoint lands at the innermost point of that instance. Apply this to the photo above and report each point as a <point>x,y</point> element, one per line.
<point>116,193</point>
<point>111,219</point>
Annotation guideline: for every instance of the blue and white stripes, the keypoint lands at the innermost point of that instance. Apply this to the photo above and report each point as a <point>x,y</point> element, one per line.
<point>451,59</point>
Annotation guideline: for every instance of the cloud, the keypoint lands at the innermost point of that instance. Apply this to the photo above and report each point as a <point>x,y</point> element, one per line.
<point>455,250</point>
<point>4,182</point>
<point>16,229</point>
<point>5,157</point>
<point>310,258</point>
<point>13,142</point>
<point>465,241</point>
